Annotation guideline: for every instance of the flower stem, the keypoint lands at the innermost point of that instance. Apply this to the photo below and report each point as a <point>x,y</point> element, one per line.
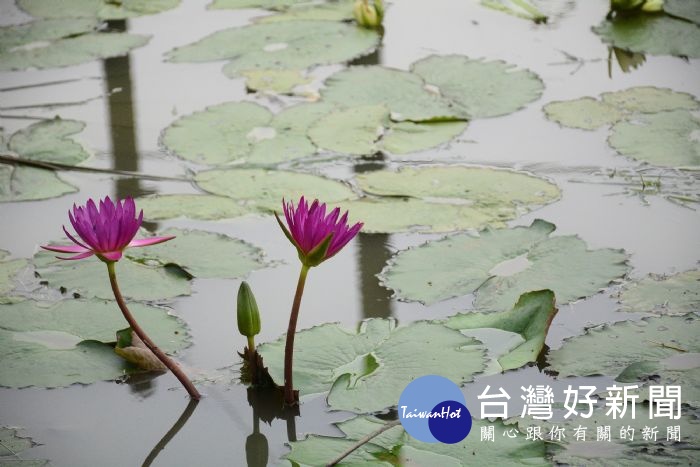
<point>289,397</point>
<point>172,366</point>
<point>251,343</point>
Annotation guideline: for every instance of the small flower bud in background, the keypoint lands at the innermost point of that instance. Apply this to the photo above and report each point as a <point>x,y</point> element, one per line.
<point>369,15</point>
<point>248,314</point>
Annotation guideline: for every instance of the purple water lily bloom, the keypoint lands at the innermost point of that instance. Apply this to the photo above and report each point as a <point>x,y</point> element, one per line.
<point>310,228</point>
<point>105,232</point>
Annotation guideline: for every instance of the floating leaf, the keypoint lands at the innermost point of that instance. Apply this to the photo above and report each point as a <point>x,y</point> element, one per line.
<point>202,254</point>
<point>27,183</point>
<point>276,81</point>
<point>667,139</point>
<point>11,447</point>
<point>8,269</point>
<point>673,295</point>
<point>64,343</point>
<point>243,131</point>
<point>479,88</point>
<point>365,130</point>
<point>687,9</point>
<point>396,447</point>
<point>60,46</point>
<point>340,10</point>
<point>50,141</point>
<point>102,9</point>
<point>366,371</point>
<point>201,207</point>
<point>131,348</point>
<point>633,351</point>
<point>530,318</point>
<point>267,4</point>
<point>264,189</point>
<point>502,265</point>
<point>288,45</point>
<point>403,93</point>
<point>89,278</point>
<point>588,113</point>
<point>651,34</point>
<point>520,8</point>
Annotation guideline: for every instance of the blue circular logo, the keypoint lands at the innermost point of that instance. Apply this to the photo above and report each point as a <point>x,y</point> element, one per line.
<point>432,409</point>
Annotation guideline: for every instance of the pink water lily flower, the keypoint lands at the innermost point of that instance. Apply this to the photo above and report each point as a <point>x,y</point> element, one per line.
<point>105,232</point>
<point>316,235</point>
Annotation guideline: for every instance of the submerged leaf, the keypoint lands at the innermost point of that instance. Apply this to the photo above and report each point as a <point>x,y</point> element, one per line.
<point>131,348</point>
<point>673,295</point>
<point>500,265</point>
<point>11,447</point>
<point>366,371</point>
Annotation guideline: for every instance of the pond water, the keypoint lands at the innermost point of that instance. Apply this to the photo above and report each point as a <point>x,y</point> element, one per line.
<point>126,103</point>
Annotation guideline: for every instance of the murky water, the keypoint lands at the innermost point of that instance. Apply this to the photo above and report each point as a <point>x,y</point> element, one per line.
<point>126,103</point>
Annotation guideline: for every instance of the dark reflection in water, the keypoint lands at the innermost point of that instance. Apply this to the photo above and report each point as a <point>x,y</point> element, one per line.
<point>122,125</point>
<point>268,404</point>
<point>627,60</point>
<point>373,253</point>
<point>179,423</point>
<point>375,58</point>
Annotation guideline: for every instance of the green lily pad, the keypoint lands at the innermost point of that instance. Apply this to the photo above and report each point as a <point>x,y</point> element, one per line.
<point>89,278</point>
<point>633,351</point>
<point>59,43</point>
<point>687,9</point>
<point>66,342</point>
<point>11,447</point>
<point>365,130</point>
<point>589,114</point>
<point>501,265</point>
<point>202,254</point>
<point>525,9</point>
<point>264,189</point>
<point>480,88</point>
<point>403,93</point>
<point>673,295</point>
<point>275,81</point>
<point>651,34</point>
<point>666,139</point>
<point>340,10</point>
<point>50,141</point>
<point>396,447</point>
<point>27,183</point>
<point>244,131</point>
<point>287,45</point>
<point>530,318</point>
<point>267,4</point>
<point>102,9</point>
<point>366,371</point>
<point>191,206</point>
<point>8,269</point>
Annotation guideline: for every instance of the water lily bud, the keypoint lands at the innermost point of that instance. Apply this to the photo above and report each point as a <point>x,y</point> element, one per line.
<point>622,5</point>
<point>369,16</point>
<point>653,6</point>
<point>247,313</point>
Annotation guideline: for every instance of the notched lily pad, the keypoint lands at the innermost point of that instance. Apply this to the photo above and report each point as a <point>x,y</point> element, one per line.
<point>673,295</point>
<point>102,9</point>
<point>334,10</point>
<point>191,206</point>
<point>202,254</point>
<point>274,81</point>
<point>267,4</point>
<point>264,189</point>
<point>366,371</point>
<point>480,88</point>
<point>59,344</point>
<point>501,265</point>
<point>11,447</point>
<point>396,447</point>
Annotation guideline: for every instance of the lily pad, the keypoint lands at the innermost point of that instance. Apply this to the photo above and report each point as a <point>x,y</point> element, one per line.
<point>275,81</point>
<point>480,88</point>
<point>396,447</point>
<point>366,371</point>
<point>365,130</point>
<point>634,351</point>
<point>292,45</point>
<point>27,183</point>
<point>667,139</point>
<point>191,206</point>
<point>59,43</point>
<point>8,269</point>
<point>650,99</point>
<point>66,342</point>
<point>687,9</point>
<point>403,93</point>
<point>586,113</point>
<point>501,265</point>
<point>652,34</point>
<point>102,9</point>
<point>11,447</point>
<point>673,295</point>
<point>530,318</point>
<point>521,8</point>
<point>244,131</point>
<point>50,141</point>
<point>267,4</point>
<point>264,189</point>
<point>340,10</point>
<point>202,254</point>
<point>89,278</point>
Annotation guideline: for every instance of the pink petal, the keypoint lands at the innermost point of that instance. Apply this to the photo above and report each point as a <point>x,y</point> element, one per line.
<point>149,241</point>
<point>66,248</point>
<point>80,256</point>
<point>112,255</point>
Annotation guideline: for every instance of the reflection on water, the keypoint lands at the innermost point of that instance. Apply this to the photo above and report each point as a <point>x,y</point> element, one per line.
<point>627,60</point>
<point>375,58</point>
<point>177,426</point>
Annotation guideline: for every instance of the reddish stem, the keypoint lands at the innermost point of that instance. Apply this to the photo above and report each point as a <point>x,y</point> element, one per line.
<point>289,397</point>
<point>172,366</point>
